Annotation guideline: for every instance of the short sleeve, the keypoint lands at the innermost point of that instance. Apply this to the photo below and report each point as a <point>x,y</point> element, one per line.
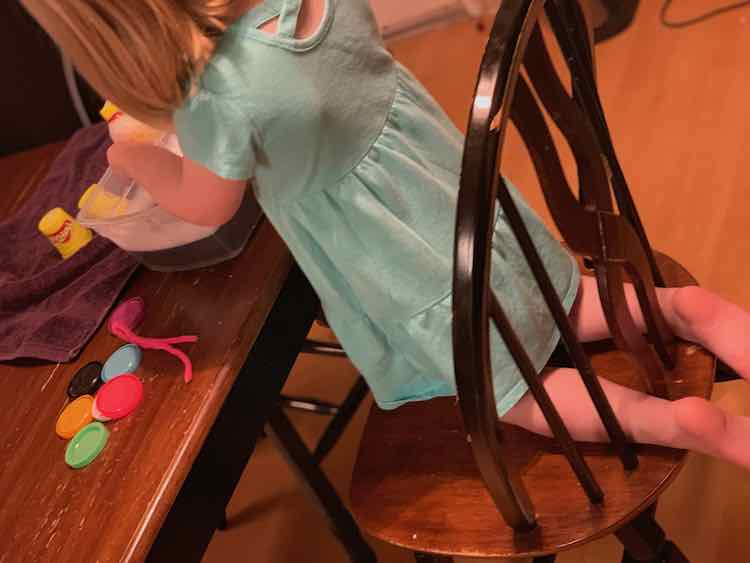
<point>217,132</point>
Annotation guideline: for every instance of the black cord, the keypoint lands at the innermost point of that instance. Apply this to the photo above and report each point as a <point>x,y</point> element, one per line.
<point>698,19</point>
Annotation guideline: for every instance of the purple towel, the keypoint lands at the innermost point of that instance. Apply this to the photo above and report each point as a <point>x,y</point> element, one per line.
<point>50,307</point>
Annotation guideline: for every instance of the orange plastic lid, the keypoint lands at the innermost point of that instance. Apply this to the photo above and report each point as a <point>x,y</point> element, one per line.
<point>74,417</point>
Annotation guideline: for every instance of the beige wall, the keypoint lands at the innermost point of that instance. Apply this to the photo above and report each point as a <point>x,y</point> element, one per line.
<point>397,15</point>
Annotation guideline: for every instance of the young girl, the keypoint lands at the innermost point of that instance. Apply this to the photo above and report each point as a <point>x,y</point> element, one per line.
<point>358,169</point>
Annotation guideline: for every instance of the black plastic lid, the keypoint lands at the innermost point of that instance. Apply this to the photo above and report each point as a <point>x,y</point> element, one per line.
<point>86,381</point>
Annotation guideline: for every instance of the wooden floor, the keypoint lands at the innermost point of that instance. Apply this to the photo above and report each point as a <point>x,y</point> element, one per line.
<point>677,102</point>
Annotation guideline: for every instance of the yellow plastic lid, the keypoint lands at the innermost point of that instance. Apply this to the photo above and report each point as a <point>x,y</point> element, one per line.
<point>109,111</point>
<point>101,203</point>
<point>86,196</point>
<point>74,417</point>
<point>53,221</point>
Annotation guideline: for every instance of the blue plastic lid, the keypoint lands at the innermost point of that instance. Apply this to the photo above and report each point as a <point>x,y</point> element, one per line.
<point>125,359</point>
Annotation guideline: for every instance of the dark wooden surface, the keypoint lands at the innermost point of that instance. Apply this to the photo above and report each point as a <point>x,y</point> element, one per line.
<point>416,483</point>
<point>113,509</point>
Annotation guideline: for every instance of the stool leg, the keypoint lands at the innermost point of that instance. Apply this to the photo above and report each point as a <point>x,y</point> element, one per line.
<point>310,404</point>
<point>420,557</point>
<point>318,487</point>
<point>341,419</point>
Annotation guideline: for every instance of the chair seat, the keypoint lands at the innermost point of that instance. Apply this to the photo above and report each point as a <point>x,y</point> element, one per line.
<point>416,484</point>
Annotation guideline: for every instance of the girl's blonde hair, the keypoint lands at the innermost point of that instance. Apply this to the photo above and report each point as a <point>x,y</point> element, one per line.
<point>144,55</point>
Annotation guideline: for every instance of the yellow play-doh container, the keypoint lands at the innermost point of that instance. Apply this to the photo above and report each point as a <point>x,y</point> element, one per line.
<point>66,234</point>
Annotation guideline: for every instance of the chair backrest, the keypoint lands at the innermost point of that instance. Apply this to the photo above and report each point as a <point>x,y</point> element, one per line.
<point>610,237</point>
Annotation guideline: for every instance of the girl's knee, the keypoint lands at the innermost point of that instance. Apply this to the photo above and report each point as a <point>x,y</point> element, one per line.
<point>699,417</point>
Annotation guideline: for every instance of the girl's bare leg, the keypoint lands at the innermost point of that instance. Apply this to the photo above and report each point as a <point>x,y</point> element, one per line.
<point>695,314</point>
<point>692,423</point>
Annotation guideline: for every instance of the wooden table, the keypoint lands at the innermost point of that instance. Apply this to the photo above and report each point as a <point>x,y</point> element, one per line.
<point>159,488</point>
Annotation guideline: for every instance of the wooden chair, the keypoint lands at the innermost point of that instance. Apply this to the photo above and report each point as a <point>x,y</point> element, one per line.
<point>445,478</point>
<point>618,15</point>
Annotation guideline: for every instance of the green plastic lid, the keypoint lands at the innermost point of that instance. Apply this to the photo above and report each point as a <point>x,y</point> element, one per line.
<point>86,445</point>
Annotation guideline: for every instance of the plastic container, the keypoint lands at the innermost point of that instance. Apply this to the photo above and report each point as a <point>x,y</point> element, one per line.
<point>117,208</point>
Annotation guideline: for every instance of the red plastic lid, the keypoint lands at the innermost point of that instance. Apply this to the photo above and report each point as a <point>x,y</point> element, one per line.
<point>119,397</point>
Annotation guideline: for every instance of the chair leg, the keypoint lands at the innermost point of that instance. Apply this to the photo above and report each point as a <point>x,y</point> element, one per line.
<point>627,558</point>
<point>318,487</point>
<point>620,16</point>
<point>670,554</point>
<point>420,557</point>
<point>341,419</point>
<point>645,540</point>
<point>223,522</point>
<point>673,554</point>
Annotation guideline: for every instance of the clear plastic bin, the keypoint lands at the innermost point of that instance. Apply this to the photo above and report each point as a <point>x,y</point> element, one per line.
<point>122,211</point>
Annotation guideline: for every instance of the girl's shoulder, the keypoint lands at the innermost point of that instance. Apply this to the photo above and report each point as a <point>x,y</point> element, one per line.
<point>262,49</point>
<point>285,23</point>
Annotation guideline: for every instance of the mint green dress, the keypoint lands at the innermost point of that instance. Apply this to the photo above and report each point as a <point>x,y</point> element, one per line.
<point>357,167</point>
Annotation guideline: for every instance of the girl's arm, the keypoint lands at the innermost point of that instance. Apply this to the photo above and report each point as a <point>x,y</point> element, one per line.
<point>183,187</point>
